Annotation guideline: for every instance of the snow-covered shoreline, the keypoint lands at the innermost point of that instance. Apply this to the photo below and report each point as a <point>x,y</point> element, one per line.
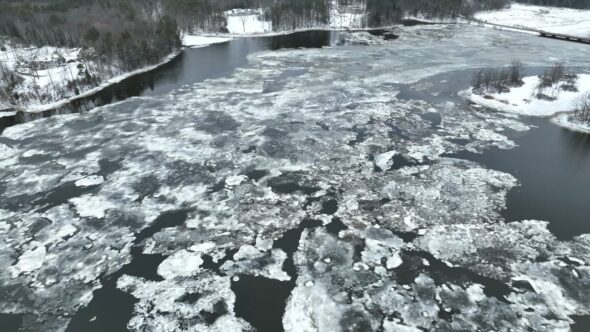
<point>105,84</point>
<point>564,120</point>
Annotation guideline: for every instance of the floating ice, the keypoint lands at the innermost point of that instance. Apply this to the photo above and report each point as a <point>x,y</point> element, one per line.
<point>92,206</point>
<point>213,175</point>
<point>90,181</point>
<point>29,261</point>
<point>183,263</point>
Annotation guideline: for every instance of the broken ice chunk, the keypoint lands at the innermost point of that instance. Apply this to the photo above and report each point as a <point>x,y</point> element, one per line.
<point>182,263</point>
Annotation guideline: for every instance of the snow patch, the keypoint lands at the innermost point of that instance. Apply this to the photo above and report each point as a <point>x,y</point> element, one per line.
<point>568,122</point>
<point>383,160</point>
<point>196,41</point>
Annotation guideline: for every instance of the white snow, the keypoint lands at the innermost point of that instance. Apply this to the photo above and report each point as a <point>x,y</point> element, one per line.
<point>195,41</point>
<point>46,106</point>
<point>7,156</point>
<point>574,22</point>
<point>247,21</point>
<point>183,263</point>
<point>88,181</point>
<point>6,114</point>
<point>65,231</point>
<point>391,326</point>
<point>242,263</point>
<point>522,100</point>
<point>202,247</point>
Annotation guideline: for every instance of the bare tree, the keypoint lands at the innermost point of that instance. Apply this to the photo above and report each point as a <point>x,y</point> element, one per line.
<point>582,109</point>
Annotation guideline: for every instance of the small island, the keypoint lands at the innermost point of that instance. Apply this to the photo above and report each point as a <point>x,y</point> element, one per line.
<point>558,92</point>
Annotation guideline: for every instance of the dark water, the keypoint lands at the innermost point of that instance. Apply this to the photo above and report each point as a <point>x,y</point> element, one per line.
<point>111,308</point>
<point>261,301</point>
<point>552,164</point>
<point>553,167</point>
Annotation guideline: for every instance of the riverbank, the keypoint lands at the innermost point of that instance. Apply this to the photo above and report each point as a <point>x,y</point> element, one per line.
<point>188,41</point>
<point>58,75</point>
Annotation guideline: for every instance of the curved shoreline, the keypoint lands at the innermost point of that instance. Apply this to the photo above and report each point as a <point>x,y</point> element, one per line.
<point>564,122</point>
<point>79,102</point>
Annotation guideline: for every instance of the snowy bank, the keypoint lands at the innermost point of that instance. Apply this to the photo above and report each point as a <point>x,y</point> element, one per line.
<point>195,41</point>
<point>46,75</point>
<point>523,100</point>
<point>574,22</point>
<point>568,122</point>
<point>117,79</point>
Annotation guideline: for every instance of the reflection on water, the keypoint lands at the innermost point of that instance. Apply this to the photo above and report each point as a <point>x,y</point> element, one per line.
<point>552,165</point>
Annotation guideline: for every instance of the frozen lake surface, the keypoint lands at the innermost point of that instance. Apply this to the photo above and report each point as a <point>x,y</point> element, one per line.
<point>343,188</point>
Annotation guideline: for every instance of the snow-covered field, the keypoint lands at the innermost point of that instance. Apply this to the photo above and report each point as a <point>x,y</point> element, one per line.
<point>247,22</point>
<point>574,22</point>
<point>523,100</point>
